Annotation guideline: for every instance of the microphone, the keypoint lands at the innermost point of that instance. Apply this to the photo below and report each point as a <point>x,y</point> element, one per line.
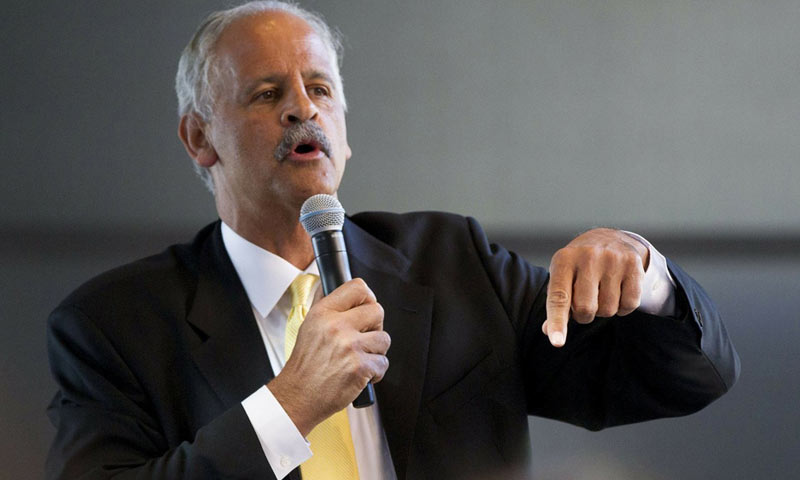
<point>322,216</point>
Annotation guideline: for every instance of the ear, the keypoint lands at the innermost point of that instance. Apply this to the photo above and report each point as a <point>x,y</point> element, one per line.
<point>192,132</point>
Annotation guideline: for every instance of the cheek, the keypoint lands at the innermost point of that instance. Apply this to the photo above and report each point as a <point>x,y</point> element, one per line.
<point>253,145</point>
<point>227,141</point>
<point>252,127</point>
<point>341,136</point>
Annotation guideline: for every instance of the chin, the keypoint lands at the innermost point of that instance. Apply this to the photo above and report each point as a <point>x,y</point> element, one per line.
<point>309,190</point>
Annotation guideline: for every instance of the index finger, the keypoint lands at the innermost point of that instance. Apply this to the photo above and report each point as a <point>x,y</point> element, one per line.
<point>559,300</point>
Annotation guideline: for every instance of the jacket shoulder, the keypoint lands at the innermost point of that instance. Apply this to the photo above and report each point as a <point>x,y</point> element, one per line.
<point>158,278</point>
<point>428,227</point>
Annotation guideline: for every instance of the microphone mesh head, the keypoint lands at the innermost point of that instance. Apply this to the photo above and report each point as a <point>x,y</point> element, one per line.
<point>320,213</point>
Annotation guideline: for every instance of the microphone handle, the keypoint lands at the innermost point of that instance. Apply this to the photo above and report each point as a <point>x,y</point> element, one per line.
<point>334,270</point>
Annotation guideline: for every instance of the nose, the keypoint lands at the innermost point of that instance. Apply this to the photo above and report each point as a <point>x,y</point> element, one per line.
<point>298,108</point>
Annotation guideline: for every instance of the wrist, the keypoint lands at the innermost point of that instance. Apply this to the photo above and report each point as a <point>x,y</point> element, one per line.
<point>641,247</point>
<point>292,402</point>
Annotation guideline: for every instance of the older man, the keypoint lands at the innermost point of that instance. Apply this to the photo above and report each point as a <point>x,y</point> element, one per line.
<point>182,366</point>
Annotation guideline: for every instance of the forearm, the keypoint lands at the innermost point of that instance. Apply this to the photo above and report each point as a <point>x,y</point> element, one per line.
<point>619,369</point>
<point>638,367</point>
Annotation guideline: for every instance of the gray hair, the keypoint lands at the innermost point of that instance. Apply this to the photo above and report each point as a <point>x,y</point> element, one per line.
<point>198,62</point>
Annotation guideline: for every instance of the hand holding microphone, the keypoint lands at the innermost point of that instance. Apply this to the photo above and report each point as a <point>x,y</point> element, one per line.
<point>322,216</point>
<point>341,346</point>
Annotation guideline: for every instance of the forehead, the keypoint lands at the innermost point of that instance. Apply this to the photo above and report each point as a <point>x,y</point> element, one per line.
<point>272,42</point>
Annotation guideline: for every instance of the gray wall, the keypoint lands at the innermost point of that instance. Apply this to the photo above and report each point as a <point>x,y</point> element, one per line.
<point>677,119</point>
<point>542,114</point>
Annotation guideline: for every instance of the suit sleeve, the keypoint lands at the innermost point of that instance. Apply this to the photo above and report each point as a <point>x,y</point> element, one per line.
<point>616,370</point>
<point>106,426</point>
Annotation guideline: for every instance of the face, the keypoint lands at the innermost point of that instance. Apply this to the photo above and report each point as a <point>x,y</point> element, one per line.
<point>277,132</point>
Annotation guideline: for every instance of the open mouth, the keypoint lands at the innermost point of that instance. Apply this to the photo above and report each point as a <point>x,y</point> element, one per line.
<point>305,148</point>
<point>304,142</point>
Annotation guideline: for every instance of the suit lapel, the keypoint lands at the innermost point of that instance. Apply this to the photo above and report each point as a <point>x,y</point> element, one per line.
<point>407,318</point>
<point>231,353</point>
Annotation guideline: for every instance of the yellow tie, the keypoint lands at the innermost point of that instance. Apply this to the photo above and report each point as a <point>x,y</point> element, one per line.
<point>331,443</point>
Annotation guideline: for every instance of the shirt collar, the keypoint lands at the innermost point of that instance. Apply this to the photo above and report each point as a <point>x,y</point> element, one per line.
<point>264,275</point>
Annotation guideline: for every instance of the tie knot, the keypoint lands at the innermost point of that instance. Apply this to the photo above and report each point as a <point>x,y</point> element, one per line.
<point>301,288</point>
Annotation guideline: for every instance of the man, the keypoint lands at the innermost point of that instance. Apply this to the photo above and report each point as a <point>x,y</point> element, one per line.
<point>182,365</point>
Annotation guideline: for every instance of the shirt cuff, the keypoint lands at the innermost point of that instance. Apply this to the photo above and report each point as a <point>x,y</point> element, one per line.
<point>283,445</point>
<point>658,286</point>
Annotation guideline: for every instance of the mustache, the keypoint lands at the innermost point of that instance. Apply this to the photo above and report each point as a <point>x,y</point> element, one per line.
<point>299,133</point>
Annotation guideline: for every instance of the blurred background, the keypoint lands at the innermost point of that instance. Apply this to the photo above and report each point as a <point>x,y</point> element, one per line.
<point>679,120</point>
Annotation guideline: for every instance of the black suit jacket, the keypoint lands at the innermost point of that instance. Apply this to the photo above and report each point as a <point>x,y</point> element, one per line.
<point>153,359</point>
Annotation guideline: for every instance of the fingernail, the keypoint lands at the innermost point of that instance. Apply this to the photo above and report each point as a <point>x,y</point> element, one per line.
<point>557,339</point>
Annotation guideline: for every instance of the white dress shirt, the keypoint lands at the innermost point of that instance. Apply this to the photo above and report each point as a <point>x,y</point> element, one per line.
<point>266,278</point>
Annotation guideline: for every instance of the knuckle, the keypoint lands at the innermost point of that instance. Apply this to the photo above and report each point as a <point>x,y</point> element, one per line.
<point>634,294</point>
<point>584,308</point>
<point>562,257</point>
<point>632,261</point>
<point>596,251</point>
<point>561,253</point>
<point>384,366</point>
<point>358,366</point>
<point>367,370</point>
<point>558,297</point>
<point>634,278</point>
<point>373,314</point>
<point>631,265</point>
<point>368,294</point>
<point>612,257</point>
<point>590,257</point>
<point>331,329</point>
<point>362,371</point>
<point>381,345</point>
<point>379,367</point>
<point>638,273</point>
<point>354,347</point>
<point>362,342</point>
<point>630,302</point>
<point>583,253</point>
<point>606,311</point>
<point>627,307</point>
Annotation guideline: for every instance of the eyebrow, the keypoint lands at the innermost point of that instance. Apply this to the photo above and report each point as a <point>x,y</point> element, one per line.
<point>277,79</point>
<point>310,75</point>
<point>318,75</point>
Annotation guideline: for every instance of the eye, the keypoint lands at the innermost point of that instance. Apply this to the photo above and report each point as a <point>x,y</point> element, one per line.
<point>268,95</point>
<point>320,91</point>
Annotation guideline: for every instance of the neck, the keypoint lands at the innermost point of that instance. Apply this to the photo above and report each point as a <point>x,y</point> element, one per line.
<point>280,232</point>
